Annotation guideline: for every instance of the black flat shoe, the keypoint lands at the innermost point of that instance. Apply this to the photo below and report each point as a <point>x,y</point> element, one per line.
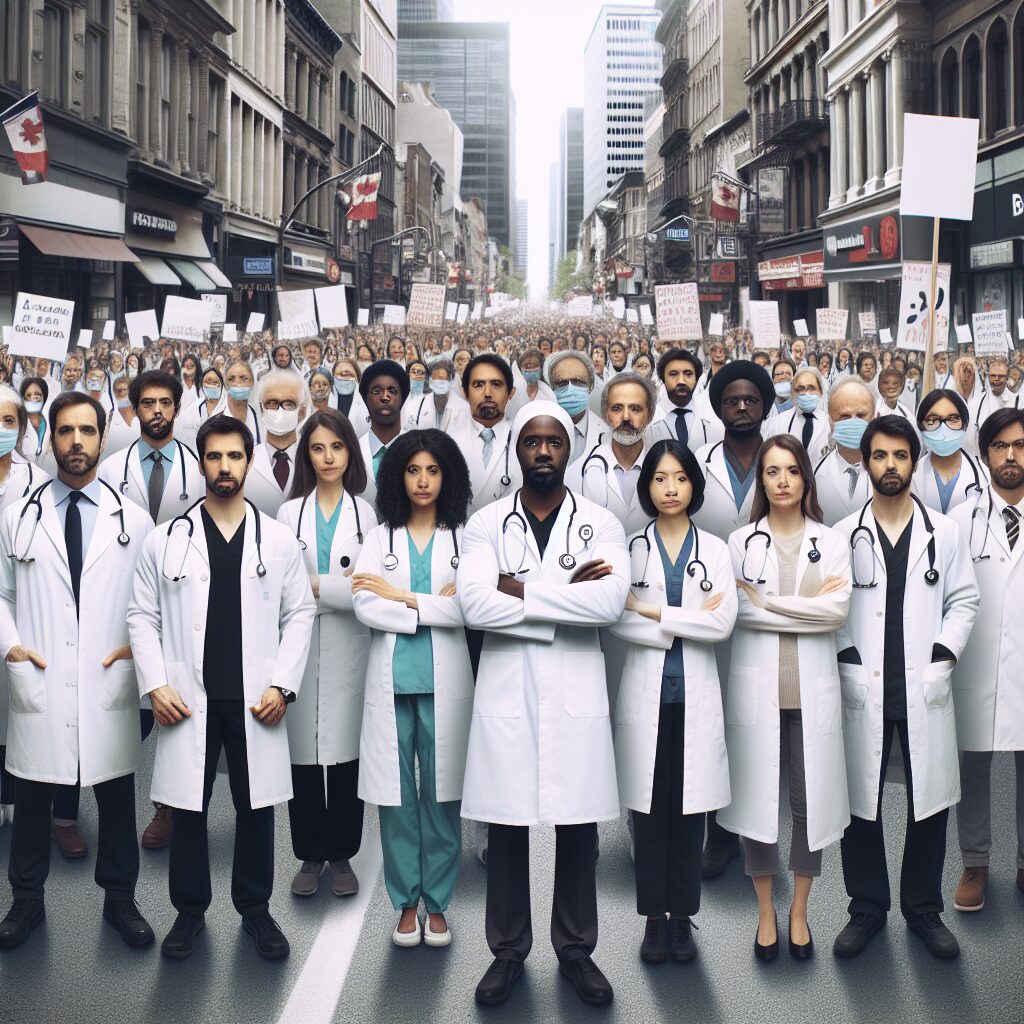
<point>23,916</point>
<point>654,948</point>
<point>804,952</point>
<point>126,917</point>
<point>496,984</point>
<point>180,941</point>
<point>766,954</point>
<point>267,936</point>
<point>586,977</point>
<point>681,947</point>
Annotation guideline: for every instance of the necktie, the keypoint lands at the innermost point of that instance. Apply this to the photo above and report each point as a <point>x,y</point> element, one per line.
<point>281,469</point>
<point>852,473</point>
<point>73,542</point>
<point>681,431</point>
<point>808,430</point>
<point>156,483</point>
<point>488,437</point>
<point>1012,518</point>
<point>377,458</point>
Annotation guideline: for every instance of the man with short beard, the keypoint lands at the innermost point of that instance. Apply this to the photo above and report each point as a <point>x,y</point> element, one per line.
<point>680,371</point>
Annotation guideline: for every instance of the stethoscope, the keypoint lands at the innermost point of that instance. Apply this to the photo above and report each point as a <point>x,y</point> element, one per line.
<point>186,518</point>
<point>862,532</point>
<point>34,499</point>
<point>566,560</point>
<point>391,559</point>
<point>813,556</point>
<point>691,567</point>
<point>345,561</point>
<point>506,479</point>
<point>981,556</point>
<point>123,486</point>
<point>595,456</point>
<point>205,403</point>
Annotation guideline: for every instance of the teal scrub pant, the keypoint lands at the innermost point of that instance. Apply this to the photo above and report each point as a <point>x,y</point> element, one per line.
<point>421,839</point>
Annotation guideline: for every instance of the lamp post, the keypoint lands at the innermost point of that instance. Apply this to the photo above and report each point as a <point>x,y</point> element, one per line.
<point>395,238</point>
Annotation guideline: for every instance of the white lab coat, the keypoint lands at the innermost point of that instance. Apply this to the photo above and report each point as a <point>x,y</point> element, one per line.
<point>943,614</point>
<point>522,394</point>
<point>421,413</point>
<point>167,624</point>
<point>119,433</point>
<point>792,422</point>
<point>323,722</point>
<point>988,681</point>
<point>73,718</point>
<point>261,486</point>
<point>540,744</point>
<point>638,709</point>
<point>704,429</point>
<point>190,420</point>
<point>832,484</point>
<point>718,514</point>
<point>125,467</point>
<point>379,773</point>
<point>981,405</point>
<point>972,480</point>
<point>486,481</point>
<point>752,696</point>
<point>32,448</point>
<point>358,414</point>
<point>595,478</point>
<point>595,431</point>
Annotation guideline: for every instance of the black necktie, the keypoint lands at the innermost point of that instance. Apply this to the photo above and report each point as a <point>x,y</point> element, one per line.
<point>156,483</point>
<point>808,429</point>
<point>73,542</point>
<point>681,431</point>
<point>281,469</point>
<point>1012,519</point>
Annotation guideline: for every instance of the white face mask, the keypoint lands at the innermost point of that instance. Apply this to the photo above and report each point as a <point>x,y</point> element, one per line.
<point>280,422</point>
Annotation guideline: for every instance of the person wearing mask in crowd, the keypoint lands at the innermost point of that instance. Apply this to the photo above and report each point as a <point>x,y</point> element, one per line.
<point>440,407</point>
<point>72,579</point>
<point>995,396</point>
<point>95,385</point>
<point>419,682</point>
<point>417,370</point>
<point>239,383</point>
<point>670,760</point>
<point>679,371</point>
<point>783,699</point>
<point>946,474</point>
<point>527,380</point>
<point>223,683</point>
<point>988,680</point>
<point>571,378</point>
<point>808,421</point>
<point>782,378</point>
<point>321,385</point>
<point>35,443</point>
<point>867,369</point>
<point>921,607</point>
<point>328,518</point>
<point>541,588</point>
<point>891,385</point>
<point>345,396</point>
<point>284,404</point>
<point>840,478</point>
<point>384,389</point>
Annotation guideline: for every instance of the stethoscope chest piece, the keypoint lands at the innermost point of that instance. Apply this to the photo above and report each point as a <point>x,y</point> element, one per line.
<point>586,533</point>
<point>123,539</point>
<point>455,561</point>
<point>814,555</point>
<point>567,561</point>
<point>391,562</point>
<point>931,577</point>
<point>705,585</point>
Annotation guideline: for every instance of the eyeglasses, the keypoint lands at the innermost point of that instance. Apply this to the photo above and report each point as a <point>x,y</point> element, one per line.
<point>1003,447</point>
<point>953,421</point>
<point>272,405</point>
<point>747,401</point>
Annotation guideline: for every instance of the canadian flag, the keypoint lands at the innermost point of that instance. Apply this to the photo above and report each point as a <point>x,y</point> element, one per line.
<point>364,198</point>
<point>454,273</point>
<point>24,125</point>
<point>725,200</point>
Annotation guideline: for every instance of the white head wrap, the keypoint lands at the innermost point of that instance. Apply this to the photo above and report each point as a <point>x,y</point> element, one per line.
<point>532,410</point>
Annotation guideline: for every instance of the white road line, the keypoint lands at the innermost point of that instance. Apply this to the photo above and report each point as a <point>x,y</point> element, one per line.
<point>318,988</point>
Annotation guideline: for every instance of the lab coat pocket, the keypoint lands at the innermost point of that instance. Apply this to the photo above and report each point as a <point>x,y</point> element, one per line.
<point>938,686</point>
<point>120,691</point>
<point>630,706</point>
<point>853,688</point>
<point>585,690</point>
<point>28,688</point>
<point>499,685</point>
<point>743,696</point>
<point>828,718</point>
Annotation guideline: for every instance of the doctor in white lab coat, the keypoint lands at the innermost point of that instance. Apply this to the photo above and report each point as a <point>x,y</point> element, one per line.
<point>541,572</point>
<point>571,378</point>
<point>220,624</point>
<point>808,421</point>
<point>840,476</point>
<point>915,591</point>
<point>384,387</point>
<point>439,407</point>
<point>67,554</point>
<point>676,416</point>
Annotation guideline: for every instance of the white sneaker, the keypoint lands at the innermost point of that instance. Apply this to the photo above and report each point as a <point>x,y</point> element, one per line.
<point>408,939</point>
<point>436,939</point>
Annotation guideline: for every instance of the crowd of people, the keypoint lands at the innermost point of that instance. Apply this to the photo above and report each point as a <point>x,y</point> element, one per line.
<point>524,571</point>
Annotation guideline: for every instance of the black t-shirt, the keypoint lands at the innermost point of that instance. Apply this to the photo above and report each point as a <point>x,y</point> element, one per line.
<point>894,676</point>
<point>222,650</point>
<point>542,527</point>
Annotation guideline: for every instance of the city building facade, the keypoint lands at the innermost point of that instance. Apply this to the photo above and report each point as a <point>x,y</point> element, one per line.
<point>570,180</point>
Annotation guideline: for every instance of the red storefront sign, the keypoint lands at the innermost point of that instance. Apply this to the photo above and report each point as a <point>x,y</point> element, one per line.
<point>723,273</point>
<point>793,273</point>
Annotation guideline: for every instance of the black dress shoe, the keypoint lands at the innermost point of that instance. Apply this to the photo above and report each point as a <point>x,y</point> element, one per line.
<point>590,984</point>
<point>804,952</point>
<point>654,948</point>
<point>16,927</point>
<point>270,941</point>
<point>181,939</point>
<point>721,850</point>
<point>681,947</point>
<point>496,984</point>
<point>126,917</point>
<point>766,954</point>
<point>941,942</point>
<point>853,939</point>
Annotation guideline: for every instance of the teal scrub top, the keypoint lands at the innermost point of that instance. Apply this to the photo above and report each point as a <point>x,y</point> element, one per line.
<point>412,665</point>
<point>325,536</point>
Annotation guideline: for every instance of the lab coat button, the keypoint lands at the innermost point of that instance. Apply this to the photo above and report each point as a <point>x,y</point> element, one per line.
<point>197,627</point>
<point>204,577</point>
<point>879,614</point>
<point>877,673</point>
<point>878,753</point>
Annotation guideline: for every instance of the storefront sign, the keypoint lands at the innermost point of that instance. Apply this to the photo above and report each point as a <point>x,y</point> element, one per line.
<point>771,200</point>
<point>995,254</point>
<point>677,234</point>
<point>723,273</point>
<point>306,262</point>
<point>258,266</point>
<point>149,222</point>
<point>800,272</point>
<point>869,241</point>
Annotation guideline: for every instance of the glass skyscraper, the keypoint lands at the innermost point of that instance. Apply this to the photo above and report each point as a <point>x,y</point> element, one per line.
<point>425,10</point>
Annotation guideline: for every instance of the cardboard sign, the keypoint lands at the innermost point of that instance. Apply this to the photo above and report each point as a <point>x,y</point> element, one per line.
<point>915,294</point>
<point>478,310</point>
<point>831,323</point>
<point>885,336</point>
<point>1020,328</point>
<point>646,316</point>
<point>451,310</point>
<point>394,314</point>
<point>940,156</point>
<point>989,333</point>
<point>363,318</point>
<point>218,307</point>
<point>581,305</point>
<point>297,309</point>
<point>108,331</point>
<point>141,325</point>
<point>426,305</point>
<point>289,332</point>
<point>84,338</point>
<point>255,322</point>
<point>716,324</point>
<point>331,306</point>
<point>764,322</point>
<point>185,319</point>
<point>868,324</point>
<point>230,334</point>
<point>619,308</point>
<point>42,327</point>
<point>963,334</point>
<point>678,312</point>
<point>800,328</point>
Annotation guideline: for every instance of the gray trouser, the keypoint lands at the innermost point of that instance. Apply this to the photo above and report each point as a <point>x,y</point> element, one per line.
<point>763,858</point>
<point>974,812</point>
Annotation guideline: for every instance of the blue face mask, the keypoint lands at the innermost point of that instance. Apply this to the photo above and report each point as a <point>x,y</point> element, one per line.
<point>416,387</point>
<point>943,441</point>
<point>531,377</point>
<point>807,403</point>
<point>440,387</point>
<point>783,388</point>
<point>572,398</point>
<point>848,433</point>
<point>212,394</point>
<point>239,394</point>
<point>344,385</point>
<point>8,441</point>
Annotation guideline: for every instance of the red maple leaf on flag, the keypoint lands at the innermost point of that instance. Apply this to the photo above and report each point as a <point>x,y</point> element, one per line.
<point>365,188</point>
<point>727,193</point>
<point>31,131</point>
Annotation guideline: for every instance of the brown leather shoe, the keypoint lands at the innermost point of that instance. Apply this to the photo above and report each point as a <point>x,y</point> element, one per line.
<point>158,831</point>
<point>970,893</point>
<point>68,841</point>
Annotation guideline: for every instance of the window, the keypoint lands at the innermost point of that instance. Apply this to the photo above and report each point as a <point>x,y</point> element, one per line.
<point>192,158</point>
<point>949,85</point>
<point>55,50</point>
<point>972,78</point>
<point>142,39</point>
<point>214,128</point>
<point>97,60</point>
<point>14,46</point>
<point>997,78</point>
<point>166,67</point>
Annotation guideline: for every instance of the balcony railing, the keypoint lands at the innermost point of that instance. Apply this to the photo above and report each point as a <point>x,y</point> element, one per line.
<point>793,120</point>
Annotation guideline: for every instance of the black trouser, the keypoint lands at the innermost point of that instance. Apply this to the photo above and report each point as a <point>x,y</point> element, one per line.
<point>117,856</point>
<point>7,780</point>
<point>325,825</point>
<point>924,850</point>
<point>574,910</point>
<point>667,843</point>
<point>252,871</point>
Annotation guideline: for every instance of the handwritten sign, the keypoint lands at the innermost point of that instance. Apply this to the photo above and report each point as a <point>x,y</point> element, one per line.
<point>363,318</point>
<point>394,314</point>
<point>463,314</point>
<point>868,323</point>
<point>451,310</point>
<point>831,323</point>
<point>716,324</point>
<point>426,305</point>
<point>218,307</point>
<point>255,323</point>
<point>230,333</point>
<point>108,331</point>
<point>297,309</point>
<point>989,333</point>
<point>581,305</point>
<point>915,317</point>
<point>42,326</point>
<point>678,312</point>
<point>800,328</point>
<point>646,316</point>
<point>764,322</point>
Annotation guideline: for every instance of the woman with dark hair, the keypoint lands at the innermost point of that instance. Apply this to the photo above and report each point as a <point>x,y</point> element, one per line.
<point>793,576</point>
<point>282,358</point>
<point>364,356</point>
<point>844,361</point>
<point>191,381</point>
<point>35,393</point>
<point>330,523</point>
<point>321,384</point>
<point>132,365</point>
<point>171,367</point>
<point>461,360</point>
<point>346,374</point>
<point>670,760</point>
<point>946,474</point>
<point>418,374</point>
<point>419,683</point>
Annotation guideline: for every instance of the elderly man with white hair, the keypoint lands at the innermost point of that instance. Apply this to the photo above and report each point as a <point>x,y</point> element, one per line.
<point>571,377</point>
<point>808,421</point>
<point>841,479</point>
<point>284,403</point>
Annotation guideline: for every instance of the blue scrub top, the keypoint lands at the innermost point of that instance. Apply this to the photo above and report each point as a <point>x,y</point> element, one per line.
<point>412,665</point>
<point>672,687</point>
<point>325,529</point>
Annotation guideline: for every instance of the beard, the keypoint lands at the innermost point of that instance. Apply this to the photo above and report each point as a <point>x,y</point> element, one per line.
<point>543,482</point>
<point>156,429</point>
<point>891,485</point>
<point>627,437</point>
<point>223,486</point>
<point>76,463</point>
<point>1009,476</point>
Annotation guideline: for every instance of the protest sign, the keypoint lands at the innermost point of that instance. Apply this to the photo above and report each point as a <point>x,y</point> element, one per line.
<point>363,318</point>
<point>185,319</point>
<point>646,316</point>
<point>868,324</point>
<point>84,338</point>
<point>394,314</point>
<point>426,305</point>
<point>915,318</point>
<point>885,336</point>
<point>764,322</point>
<point>989,333</point>
<point>678,312</point>
<point>716,324</point>
<point>963,334</point>
<point>581,305</point>
<point>297,309</point>
<point>141,325</point>
<point>451,310</point>
<point>230,334</point>
<point>108,331</point>
<point>255,322</point>
<point>800,328</point>
<point>331,306</point>
<point>42,326</point>
<point>830,324</point>
<point>463,313</point>
<point>218,306</point>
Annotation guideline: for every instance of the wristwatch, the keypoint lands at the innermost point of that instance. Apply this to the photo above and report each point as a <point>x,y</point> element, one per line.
<point>288,695</point>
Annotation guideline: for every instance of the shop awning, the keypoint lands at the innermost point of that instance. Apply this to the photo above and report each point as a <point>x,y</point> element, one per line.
<point>193,275</point>
<point>155,271</point>
<point>77,244</point>
<point>214,273</point>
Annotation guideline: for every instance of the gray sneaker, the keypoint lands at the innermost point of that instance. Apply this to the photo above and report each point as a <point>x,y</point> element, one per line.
<point>344,878</point>
<point>307,878</point>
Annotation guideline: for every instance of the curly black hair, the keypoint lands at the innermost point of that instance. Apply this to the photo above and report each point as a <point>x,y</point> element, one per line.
<point>393,505</point>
